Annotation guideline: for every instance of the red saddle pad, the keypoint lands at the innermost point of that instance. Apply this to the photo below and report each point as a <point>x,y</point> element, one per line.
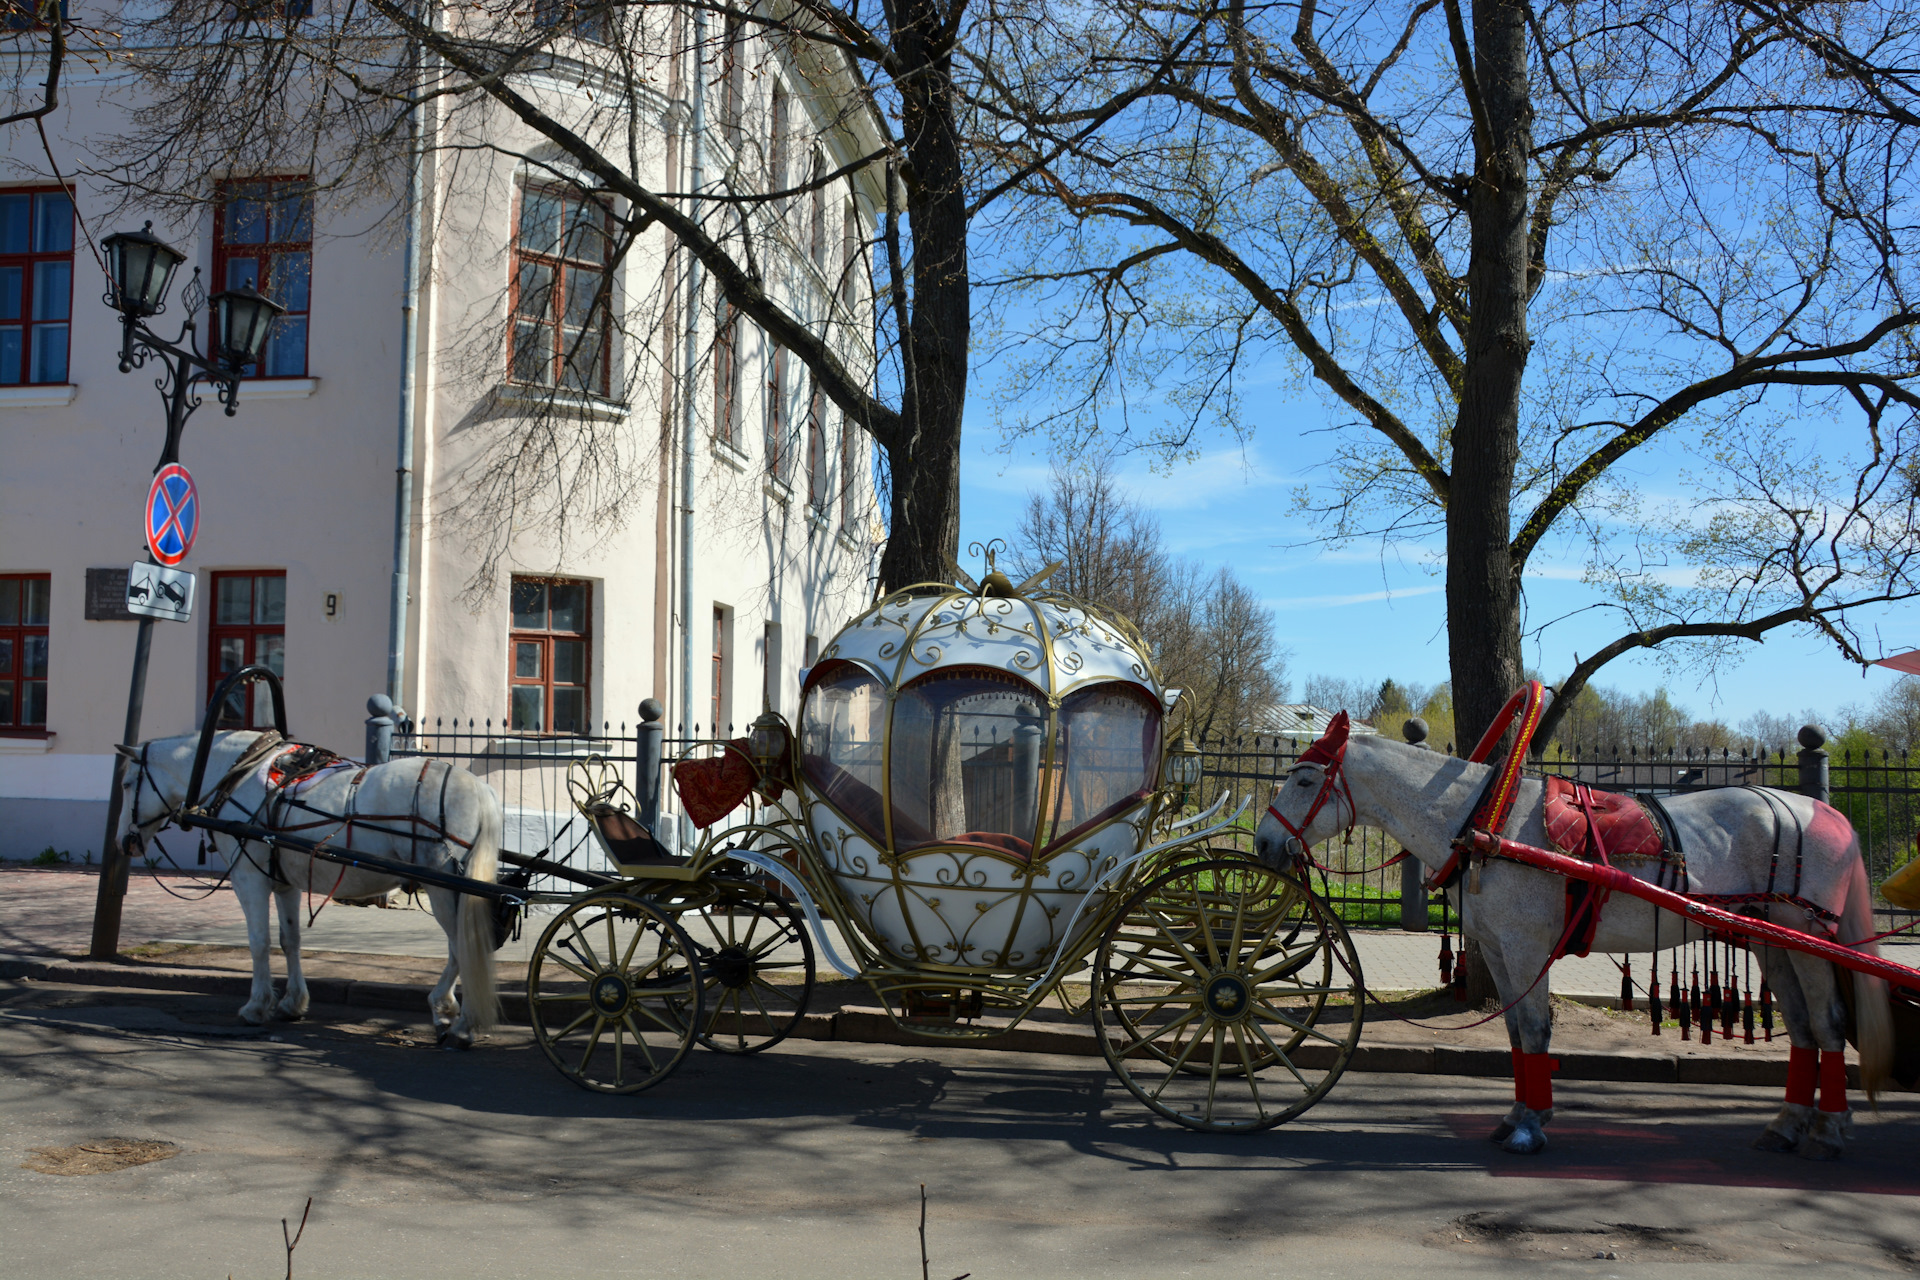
<point>1626,828</point>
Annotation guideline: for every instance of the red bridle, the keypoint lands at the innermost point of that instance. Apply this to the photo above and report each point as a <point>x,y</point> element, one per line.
<point>1329,752</point>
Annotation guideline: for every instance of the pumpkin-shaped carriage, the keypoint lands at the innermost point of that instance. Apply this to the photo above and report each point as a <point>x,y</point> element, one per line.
<point>981,799</point>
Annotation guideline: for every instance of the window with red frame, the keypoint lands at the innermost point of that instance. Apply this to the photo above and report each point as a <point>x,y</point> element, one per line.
<point>36,285</point>
<point>23,652</point>
<point>249,626</point>
<point>561,292</point>
<point>263,239</point>
<point>547,653</point>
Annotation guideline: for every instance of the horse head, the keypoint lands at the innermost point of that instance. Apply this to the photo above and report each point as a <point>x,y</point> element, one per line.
<point>1310,803</point>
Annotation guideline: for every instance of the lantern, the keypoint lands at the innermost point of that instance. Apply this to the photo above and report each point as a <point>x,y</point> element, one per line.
<point>1183,767</point>
<point>140,267</point>
<point>242,319</point>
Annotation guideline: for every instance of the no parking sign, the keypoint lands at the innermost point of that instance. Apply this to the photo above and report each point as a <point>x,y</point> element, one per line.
<point>173,514</point>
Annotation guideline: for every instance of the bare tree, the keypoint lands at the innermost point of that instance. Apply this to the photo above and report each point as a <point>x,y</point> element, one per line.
<point>1212,638</point>
<point>1511,245</point>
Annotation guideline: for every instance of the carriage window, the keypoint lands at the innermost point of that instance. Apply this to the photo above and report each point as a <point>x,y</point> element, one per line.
<point>842,733</point>
<point>547,656</point>
<point>249,626</point>
<point>966,751</point>
<point>1109,741</point>
<point>23,652</point>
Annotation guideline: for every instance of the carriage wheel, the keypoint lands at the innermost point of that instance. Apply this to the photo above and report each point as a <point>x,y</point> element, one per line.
<point>757,961</point>
<point>1227,996</point>
<point>606,989</point>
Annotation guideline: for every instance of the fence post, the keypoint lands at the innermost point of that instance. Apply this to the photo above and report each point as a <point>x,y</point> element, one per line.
<point>1814,778</point>
<point>379,729</point>
<point>1413,885</point>
<point>647,740</point>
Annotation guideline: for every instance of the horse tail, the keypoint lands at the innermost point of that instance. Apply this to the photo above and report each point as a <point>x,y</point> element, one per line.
<point>479,997</point>
<point>1873,1020</point>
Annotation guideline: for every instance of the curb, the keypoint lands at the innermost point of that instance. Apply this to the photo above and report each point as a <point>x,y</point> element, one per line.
<point>855,1024</point>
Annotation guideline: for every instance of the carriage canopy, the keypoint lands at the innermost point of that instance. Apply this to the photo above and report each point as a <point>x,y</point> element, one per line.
<point>1005,723</point>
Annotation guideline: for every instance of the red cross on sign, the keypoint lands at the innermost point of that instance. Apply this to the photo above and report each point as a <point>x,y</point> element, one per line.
<point>173,514</point>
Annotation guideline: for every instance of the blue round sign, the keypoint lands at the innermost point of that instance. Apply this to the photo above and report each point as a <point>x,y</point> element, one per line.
<point>173,514</point>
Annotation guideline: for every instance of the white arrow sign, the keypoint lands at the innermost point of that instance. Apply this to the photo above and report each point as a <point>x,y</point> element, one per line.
<point>160,592</point>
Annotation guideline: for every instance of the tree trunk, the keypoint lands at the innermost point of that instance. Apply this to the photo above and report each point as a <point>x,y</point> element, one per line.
<point>1483,590</point>
<point>924,531</point>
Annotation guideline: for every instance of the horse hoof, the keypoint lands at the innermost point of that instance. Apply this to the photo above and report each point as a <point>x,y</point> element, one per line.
<point>256,1017</point>
<point>1525,1142</point>
<point>1501,1132</point>
<point>453,1043</point>
<point>1774,1140</point>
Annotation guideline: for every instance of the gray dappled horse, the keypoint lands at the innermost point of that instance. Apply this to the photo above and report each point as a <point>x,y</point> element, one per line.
<point>452,822</point>
<point>1731,838</point>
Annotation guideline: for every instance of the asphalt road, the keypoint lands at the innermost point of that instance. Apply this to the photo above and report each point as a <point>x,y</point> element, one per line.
<point>807,1162</point>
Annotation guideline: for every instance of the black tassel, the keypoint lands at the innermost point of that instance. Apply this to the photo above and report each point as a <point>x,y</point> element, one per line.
<point>1729,1005</point>
<point>1766,1009</point>
<point>1653,999</point>
<point>1746,1016</point>
<point>1626,985</point>
<point>1713,990</point>
<point>1446,960</point>
<point>1680,1003</point>
<point>1700,1014</point>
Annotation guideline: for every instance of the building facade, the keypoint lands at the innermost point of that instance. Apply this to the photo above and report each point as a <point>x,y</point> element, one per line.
<point>525,335</point>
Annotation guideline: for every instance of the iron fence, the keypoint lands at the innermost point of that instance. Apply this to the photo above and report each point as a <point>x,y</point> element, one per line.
<point>1879,792</point>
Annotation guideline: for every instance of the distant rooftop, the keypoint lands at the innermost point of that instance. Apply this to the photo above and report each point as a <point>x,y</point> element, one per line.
<point>1301,721</point>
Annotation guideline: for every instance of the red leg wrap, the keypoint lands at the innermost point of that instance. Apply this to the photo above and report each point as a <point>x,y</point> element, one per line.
<point>1833,1080</point>
<point>1802,1065</point>
<point>1538,1069</point>
<point>1519,1075</point>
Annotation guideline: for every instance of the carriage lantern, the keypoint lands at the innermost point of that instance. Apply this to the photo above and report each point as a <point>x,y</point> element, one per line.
<point>769,743</point>
<point>1183,768</point>
<point>140,266</point>
<point>242,318</point>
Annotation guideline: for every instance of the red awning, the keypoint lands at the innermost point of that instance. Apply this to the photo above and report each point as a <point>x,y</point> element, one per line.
<point>1907,662</point>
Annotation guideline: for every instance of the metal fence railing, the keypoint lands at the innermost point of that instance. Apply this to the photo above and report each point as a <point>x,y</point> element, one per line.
<point>1879,792</point>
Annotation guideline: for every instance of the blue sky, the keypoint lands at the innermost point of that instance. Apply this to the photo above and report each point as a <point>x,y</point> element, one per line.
<point>1359,613</point>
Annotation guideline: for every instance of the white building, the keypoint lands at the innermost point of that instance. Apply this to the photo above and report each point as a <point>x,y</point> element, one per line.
<point>297,554</point>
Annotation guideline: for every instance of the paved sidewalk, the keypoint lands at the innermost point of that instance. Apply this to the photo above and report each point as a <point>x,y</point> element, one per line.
<point>51,912</point>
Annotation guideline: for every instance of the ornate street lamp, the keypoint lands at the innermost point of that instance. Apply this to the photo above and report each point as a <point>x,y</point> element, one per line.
<point>140,271</point>
<point>140,267</point>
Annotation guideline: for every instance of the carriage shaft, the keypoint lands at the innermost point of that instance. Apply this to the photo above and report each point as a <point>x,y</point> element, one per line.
<point>1699,912</point>
<point>362,861</point>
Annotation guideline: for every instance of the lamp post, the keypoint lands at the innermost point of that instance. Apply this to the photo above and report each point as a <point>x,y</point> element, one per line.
<point>140,270</point>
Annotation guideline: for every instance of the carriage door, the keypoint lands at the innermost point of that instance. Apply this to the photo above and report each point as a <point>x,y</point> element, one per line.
<point>249,625</point>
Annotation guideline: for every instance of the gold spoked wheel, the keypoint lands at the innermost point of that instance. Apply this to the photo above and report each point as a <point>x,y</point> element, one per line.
<point>607,989</point>
<point>1226,996</point>
<point>756,958</point>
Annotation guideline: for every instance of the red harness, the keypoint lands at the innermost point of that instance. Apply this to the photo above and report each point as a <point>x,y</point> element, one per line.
<point>1330,752</point>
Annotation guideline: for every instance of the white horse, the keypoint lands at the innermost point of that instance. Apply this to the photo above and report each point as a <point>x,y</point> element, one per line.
<point>426,813</point>
<point>1730,838</point>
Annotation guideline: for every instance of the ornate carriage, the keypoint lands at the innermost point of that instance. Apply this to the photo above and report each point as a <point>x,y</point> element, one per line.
<point>981,798</point>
